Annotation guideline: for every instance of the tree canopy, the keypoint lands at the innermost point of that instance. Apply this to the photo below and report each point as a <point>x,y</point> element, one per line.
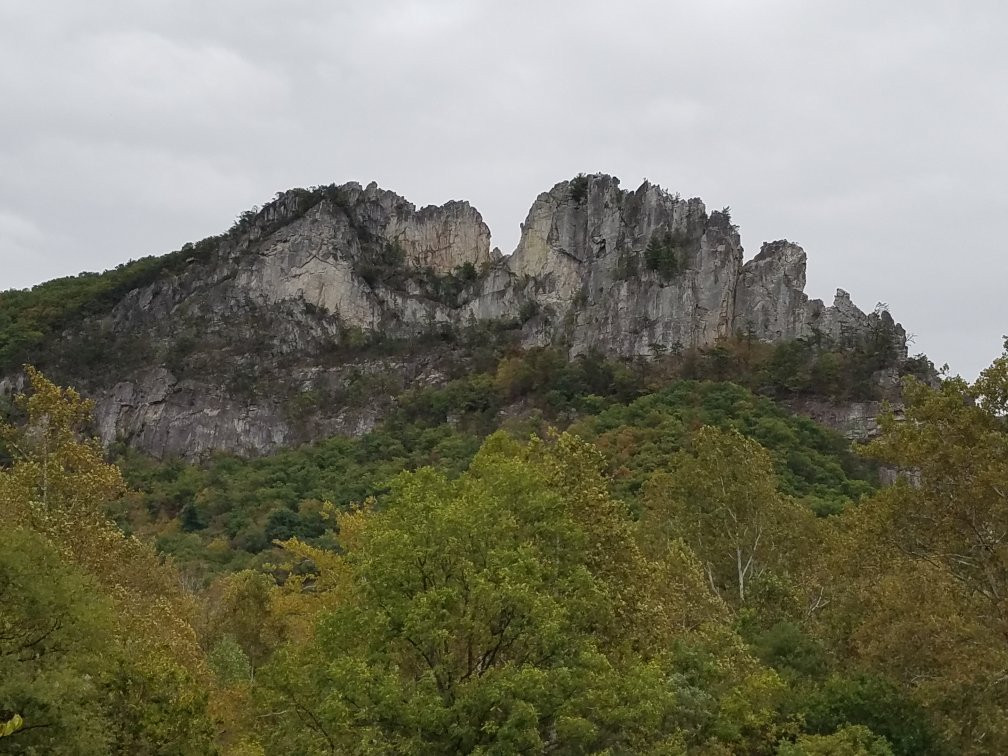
<point>665,576</point>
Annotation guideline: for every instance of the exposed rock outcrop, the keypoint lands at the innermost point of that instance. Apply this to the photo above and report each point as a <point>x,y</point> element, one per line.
<point>770,300</point>
<point>626,272</point>
<point>634,273</point>
<point>857,421</point>
<point>279,300</point>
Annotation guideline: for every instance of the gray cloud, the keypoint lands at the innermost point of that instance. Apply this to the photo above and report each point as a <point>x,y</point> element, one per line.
<point>870,133</point>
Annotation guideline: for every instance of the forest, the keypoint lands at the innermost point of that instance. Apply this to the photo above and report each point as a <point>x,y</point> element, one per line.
<point>624,568</point>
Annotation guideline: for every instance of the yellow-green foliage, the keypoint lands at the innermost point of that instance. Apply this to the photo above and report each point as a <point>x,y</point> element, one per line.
<point>242,506</point>
<point>11,726</point>
<point>511,611</point>
<point>92,616</point>
<point>514,600</point>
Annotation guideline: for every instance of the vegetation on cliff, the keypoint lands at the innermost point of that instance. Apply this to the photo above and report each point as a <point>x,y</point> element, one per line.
<point>31,318</point>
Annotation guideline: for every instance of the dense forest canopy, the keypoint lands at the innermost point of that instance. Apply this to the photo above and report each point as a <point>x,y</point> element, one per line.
<point>228,512</point>
<point>686,568</point>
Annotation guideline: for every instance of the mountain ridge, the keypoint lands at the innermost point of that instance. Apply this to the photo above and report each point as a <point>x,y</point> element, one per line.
<point>210,349</point>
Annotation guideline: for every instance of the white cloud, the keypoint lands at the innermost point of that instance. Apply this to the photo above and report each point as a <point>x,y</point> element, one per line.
<point>870,133</point>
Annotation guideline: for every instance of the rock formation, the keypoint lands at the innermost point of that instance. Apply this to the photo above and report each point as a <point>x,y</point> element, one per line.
<point>629,274</point>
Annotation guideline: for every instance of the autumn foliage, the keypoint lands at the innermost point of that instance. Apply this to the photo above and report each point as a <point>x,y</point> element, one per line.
<point>654,580</point>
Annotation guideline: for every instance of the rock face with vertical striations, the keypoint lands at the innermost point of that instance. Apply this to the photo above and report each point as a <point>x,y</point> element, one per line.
<point>218,354</point>
<point>632,273</point>
<point>770,300</point>
<point>620,272</point>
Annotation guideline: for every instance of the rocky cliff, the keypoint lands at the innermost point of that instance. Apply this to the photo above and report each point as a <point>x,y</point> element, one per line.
<point>632,273</point>
<point>221,354</point>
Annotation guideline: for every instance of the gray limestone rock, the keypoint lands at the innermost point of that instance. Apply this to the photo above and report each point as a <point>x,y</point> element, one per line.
<point>770,300</point>
<point>584,258</point>
<point>210,353</point>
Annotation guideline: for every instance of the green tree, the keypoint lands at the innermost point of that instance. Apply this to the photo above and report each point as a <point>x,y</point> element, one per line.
<point>875,703</point>
<point>666,254</point>
<point>721,496</point>
<point>920,572</point>
<point>58,486</point>
<point>506,611</point>
<point>855,740</point>
<point>55,650</point>
<point>951,507</point>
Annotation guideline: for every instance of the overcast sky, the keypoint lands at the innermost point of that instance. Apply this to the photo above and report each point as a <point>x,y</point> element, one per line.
<point>874,134</point>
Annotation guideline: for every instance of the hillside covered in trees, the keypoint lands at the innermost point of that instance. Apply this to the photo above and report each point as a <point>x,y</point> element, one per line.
<point>344,480</point>
<point>628,564</point>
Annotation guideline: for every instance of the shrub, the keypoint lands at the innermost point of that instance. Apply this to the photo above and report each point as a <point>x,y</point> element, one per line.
<point>466,272</point>
<point>666,254</point>
<point>579,188</point>
<point>282,524</point>
<point>380,263</point>
<point>192,518</point>
<point>528,310</point>
<point>877,703</point>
